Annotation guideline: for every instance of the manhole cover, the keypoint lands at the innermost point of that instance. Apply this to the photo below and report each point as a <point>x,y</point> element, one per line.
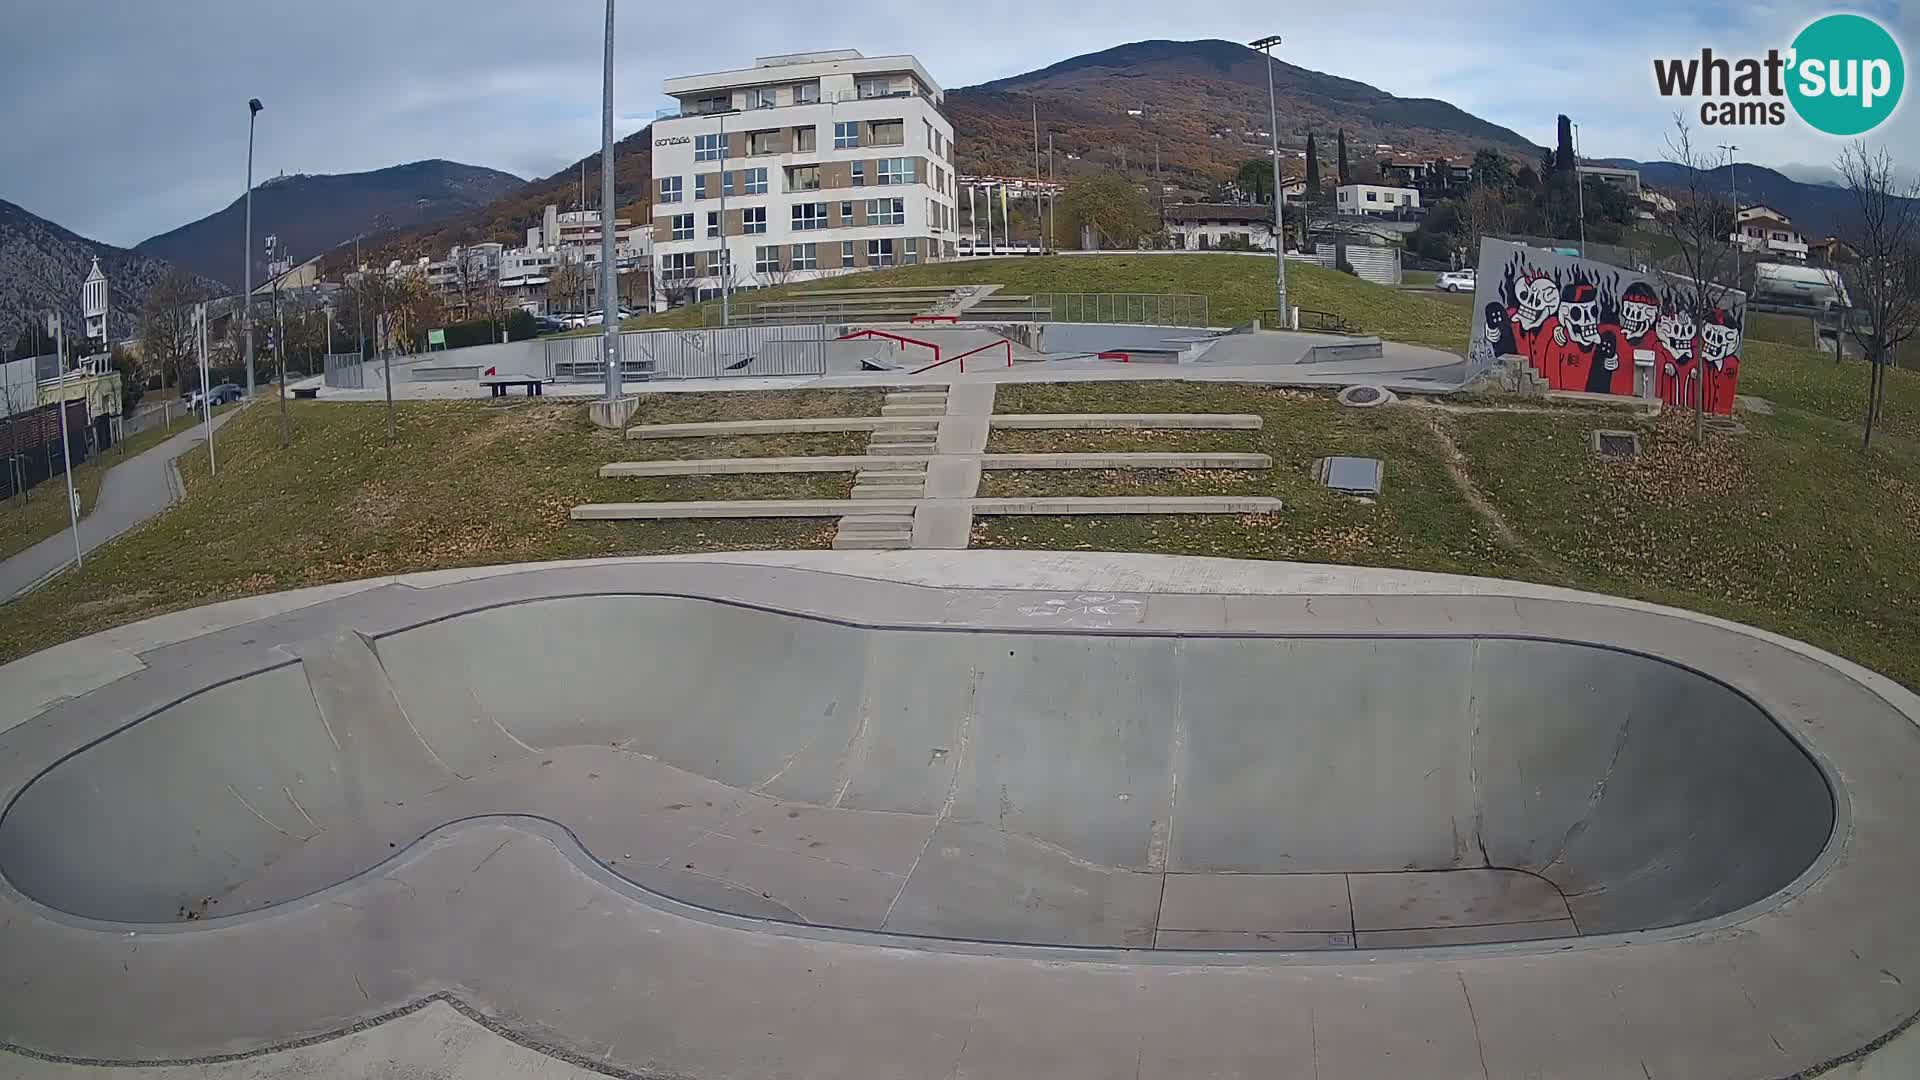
<point>1621,444</point>
<point>1353,475</point>
<point>1365,396</point>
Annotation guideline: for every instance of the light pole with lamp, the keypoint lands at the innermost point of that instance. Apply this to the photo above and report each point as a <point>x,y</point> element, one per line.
<point>609,273</point>
<point>1266,45</point>
<point>1580,191</point>
<point>1734,181</point>
<point>246,297</point>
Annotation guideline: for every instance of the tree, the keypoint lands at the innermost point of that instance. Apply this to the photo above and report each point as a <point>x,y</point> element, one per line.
<point>1564,160</point>
<point>1882,227</point>
<point>1483,212</point>
<point>1700,226</point>
<point>1313,169</point>
<point>564,284</point>
<point>1345,176</point>
<point>168,338</point>
<point>1255,179</point>
<point>1110,205</point>
<point>1491,168</point>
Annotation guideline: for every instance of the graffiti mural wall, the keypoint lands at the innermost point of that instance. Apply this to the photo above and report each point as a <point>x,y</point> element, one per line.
<point>1591,326</point>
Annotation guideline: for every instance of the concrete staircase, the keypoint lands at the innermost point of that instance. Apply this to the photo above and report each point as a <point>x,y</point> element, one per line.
<point>891,530</point>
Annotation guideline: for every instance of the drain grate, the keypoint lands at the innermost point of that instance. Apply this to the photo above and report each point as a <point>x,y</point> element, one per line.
<point>1366,396</point>
<point>1353,475</point>
<point>1620,444</point>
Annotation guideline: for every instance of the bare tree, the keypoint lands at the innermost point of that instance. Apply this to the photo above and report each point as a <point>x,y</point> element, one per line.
<point>564,283</point>
<point>1883,229</point>
<point>167,334</point>
<point>1483,212</point>
<point>1701,225</point>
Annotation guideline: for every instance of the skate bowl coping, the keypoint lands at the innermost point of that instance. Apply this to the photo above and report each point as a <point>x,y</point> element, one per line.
<point>987,784</point>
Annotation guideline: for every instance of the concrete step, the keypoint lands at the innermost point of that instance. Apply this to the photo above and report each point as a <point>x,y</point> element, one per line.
<point>912,409</point>
<point>873,543</point>
<point>1126,421</point>
<point>891,476</point>
<point>739,508</point>
<point>858,522</point>
<point>889,491</point>
<point>802,426</point>
<point>917,397</point>
<point>1074,504</point>
<point>904,446</point>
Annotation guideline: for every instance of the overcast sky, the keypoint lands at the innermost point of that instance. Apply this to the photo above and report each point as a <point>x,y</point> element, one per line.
<point>125,118</point>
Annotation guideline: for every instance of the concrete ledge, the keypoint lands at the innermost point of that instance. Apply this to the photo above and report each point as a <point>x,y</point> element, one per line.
<point>1083,505</point>
<point>1642,406</point>
<point>739,508</point>
<point>1175,421</point>
<point>807,425</point>
<point>613,414</point>
<point>733,466</point>
<point>1124,461</point>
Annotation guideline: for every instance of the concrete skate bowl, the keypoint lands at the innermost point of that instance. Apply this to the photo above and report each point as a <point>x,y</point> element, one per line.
<point>1054,788</point>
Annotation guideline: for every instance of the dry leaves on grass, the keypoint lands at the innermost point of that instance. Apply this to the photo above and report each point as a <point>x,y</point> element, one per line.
<point>1672,473</point>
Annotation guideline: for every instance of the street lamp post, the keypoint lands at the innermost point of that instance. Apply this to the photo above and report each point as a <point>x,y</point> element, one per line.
<point>246,298</point>
<point>609,280</point>
<point>1733,181</point>
<point>1580,191</point>
<point>1266,45</point>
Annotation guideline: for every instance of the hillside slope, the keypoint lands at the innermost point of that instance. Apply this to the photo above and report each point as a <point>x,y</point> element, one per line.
<point>312,214</point>
<point>42,266</point>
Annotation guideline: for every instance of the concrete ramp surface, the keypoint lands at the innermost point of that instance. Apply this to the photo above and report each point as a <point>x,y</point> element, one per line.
<point>1219,792</point>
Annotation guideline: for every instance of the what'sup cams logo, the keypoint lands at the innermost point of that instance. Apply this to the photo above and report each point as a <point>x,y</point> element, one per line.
<point>1842,75</point>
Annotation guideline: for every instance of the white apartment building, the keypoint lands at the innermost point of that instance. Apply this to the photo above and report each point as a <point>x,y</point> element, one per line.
<point>1768,231</point>
<point>1374,199</point>
<point>803,166</point>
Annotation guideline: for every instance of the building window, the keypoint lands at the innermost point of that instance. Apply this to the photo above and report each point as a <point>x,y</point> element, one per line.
<point>931,145</point>
<point>717,104</point>
<point>713,223</point>
<point>766,259</point>
<point>803,178</point>
<point>756,181</point>
<point>846,134</point>
<point>803,139</point>
<point>880,253</point>
<point>726,183</point>
<point>678,266</point>
<point>888,133</point>
<point>805,257</point>
<point>859,174</point>
<point>1373,196</point>
<point>886,211</point>
<point>708,147</point>
<point>846,253</point>
<point>762,97</point>
<point>763,142</point>
<point>806,93</point>
<point>700,185</point>
<point>670,188</point>
<point>897,170</point>
<point>753,219</point>
<point>912,253</point>
<point>683,226</point>
<point>875,88</point>
<point>809,216</point>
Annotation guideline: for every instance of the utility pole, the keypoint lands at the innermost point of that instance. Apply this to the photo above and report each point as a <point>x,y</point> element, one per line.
<point>1039,216</point>
<point>609,280</point>
<point>246,297</point>
<point>66,444</point>
<point>1053,198</point>
<point>206,399</point>
<point>1580,191</point>
<point>1266,45</point>
<point>1738,242</point>
<point>726,264</point>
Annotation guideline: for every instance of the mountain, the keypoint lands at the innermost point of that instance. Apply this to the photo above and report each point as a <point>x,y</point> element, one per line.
<point>507,218</point>
<point>43,265</point>
<point>1203,105</point>
<point>1819,210</point>
<point>312,214</point>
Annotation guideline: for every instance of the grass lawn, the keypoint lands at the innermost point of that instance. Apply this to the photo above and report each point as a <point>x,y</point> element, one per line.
<point>26,522</point>
<point>1236,287</point>
<point>462,484</point>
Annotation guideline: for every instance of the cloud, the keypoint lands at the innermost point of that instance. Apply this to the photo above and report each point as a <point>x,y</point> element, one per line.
<point>128,117</point>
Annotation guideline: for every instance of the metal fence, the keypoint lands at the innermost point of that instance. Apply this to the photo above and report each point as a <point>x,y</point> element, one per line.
<point>1141,309</point>
<point>345,371</point>
<point>731,352</point>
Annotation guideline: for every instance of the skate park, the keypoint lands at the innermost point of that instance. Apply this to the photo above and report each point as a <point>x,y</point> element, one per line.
<point>836,813</point>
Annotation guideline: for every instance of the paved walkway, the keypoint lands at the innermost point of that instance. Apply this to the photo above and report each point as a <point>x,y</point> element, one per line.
<point>132,492</point>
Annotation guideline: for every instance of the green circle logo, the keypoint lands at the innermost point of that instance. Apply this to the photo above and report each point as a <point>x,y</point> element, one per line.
<point>1847,74</point>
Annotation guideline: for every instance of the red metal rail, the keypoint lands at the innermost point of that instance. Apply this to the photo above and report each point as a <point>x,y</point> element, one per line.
<point>918,319</point>
<point>1125,358</point>
<point>896,337</point>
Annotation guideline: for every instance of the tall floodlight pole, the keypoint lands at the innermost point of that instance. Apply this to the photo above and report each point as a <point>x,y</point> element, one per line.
<point>1580,191</point>
<point>246,297</point>
<point>1266,45</point>
<point>58,330</point>
<point>1039,215</point>
<point>609,274</point>
<point>726,264</point>
<point>1734,182</point>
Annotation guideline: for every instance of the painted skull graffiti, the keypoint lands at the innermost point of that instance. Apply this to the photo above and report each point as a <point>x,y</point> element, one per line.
<point>1539,299</point>
<point>1580,313</point>
<point>1718,339</point>
<point>1639,308</point>
<point>1676,333</point>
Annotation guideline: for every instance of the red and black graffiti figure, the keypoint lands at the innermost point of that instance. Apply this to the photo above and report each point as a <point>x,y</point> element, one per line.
<point>1498,330</point>
<point>1532,318</point>
<point>1634,344</point>
<point>1719,362</point>
<point>1575,350</point>
<point>1673,377</point>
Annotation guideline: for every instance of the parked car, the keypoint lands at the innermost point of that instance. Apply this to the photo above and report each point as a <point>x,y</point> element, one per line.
<point>547,324</point>
<point>1456,281</point>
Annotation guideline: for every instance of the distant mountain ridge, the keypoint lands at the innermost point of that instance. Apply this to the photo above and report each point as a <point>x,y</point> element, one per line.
<point>42,266</point>
<point>1189,93</point>
<point>312,214</point>
<point>1818,210</point>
